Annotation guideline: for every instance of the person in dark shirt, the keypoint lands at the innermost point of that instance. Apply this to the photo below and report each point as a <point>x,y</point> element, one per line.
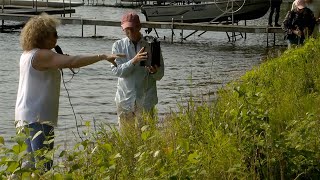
<point>274,8</point>
<point>299,24</point>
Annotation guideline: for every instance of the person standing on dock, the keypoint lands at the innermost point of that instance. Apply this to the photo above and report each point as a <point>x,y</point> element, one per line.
<point>36,110</point>
<point>136,89</point>
<point>298,24</point>
<point>274,8</point>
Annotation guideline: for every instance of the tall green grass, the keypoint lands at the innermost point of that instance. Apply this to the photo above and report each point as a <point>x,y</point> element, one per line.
<point>264,125</point>
<point>274,109</point>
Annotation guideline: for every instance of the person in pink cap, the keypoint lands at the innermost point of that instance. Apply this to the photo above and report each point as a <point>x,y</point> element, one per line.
<point>299,23</point>
<point>137,84</point>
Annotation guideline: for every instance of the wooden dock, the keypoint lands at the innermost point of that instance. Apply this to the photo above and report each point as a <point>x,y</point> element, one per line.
<point>29,10</point>
<point>157,25</point>
<point>13,9</point>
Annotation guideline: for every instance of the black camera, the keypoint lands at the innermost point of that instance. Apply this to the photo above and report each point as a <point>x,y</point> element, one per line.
<point>153,53</point>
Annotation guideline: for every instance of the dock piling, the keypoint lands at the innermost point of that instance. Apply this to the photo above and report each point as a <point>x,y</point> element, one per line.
<point>81,27</point>
<point>172,24</point>
<point>70,7</point>
<point>64,9</point>
<point>245,24</point>
<point>267,31</point>
<point>181,31</point>
<point>2,13</point>
<point>95,29</point>
<point>36,6</point>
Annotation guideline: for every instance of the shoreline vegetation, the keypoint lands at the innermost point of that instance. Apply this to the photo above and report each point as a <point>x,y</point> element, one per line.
<point>264,125</point>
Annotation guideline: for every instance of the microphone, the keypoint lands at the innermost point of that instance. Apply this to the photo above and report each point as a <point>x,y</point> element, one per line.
<point>58,49</point>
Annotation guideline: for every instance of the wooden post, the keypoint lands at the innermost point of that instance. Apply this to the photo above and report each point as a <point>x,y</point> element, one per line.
<point>2,27</point>
<point>70,7</point>
<point>267,36</point>
<point>172,30</point>
<point>245,34</point>
<point>95,29</point>
<point>36,6</point>
<point>181,31</point>
<point>64,9</point>
<point>81,27</point>
<point>232,19</point>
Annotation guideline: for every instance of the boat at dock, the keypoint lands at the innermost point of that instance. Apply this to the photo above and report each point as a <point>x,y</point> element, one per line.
<point>42,3</point>
<point>210,11</point>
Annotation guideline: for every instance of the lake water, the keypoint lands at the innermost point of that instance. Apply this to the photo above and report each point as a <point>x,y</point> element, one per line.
<point>199,66</point>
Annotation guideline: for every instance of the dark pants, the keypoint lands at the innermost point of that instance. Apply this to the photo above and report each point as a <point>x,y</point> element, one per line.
<point>295,41</point>
<point>275,7</point>
<point>38,142</point>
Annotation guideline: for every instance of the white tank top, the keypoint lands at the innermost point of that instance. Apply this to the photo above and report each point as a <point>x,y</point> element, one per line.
<point>38,93</point>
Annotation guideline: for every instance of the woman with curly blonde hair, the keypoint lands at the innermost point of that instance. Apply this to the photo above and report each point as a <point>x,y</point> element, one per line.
<point>38,94</point>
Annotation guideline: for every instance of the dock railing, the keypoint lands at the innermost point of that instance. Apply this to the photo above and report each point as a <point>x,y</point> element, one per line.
<point>156,25</point>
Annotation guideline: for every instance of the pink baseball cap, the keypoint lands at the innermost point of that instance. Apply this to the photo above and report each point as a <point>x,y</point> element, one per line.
<point>300,4</point>
<point>130,19</point>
